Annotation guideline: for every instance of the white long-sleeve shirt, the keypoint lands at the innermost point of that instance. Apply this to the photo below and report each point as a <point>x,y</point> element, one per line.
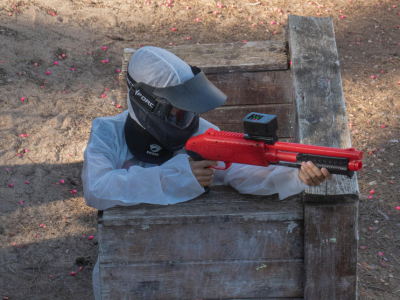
<point>112,176</point>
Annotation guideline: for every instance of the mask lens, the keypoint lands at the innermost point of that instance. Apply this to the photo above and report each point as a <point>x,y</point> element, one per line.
<point>180,118</point>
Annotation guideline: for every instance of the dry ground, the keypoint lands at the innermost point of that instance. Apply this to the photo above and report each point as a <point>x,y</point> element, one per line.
<point>44,227</point>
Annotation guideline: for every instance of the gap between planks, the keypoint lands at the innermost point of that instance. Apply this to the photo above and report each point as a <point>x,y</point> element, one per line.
<point>197,262</point>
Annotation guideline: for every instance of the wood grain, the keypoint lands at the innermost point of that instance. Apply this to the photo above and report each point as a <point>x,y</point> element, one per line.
<point>318,92</point>
<point>255,88</point>
<point>228,57</point>
<point>232,238</point>
<point>202,280</point>
<point>330,251</point>
<point>212,207</point>
<point>330,211</point>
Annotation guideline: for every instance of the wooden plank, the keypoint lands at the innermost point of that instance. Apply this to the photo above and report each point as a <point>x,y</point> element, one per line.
<point>230,239</point>
<point>228,57</point>
<point>254,88</point>
<point>202,279</point>
<point>212,207</point>
<point>330,251</point>
<point>229,118</point>
<point>221,58</point>
<point>330,242</point>
<point>319,99</point>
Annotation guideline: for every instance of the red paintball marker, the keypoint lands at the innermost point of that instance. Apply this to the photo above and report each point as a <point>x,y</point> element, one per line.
<point>259,146</point>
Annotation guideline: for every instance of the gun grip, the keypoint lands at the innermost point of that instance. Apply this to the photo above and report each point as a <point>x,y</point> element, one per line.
<point>198,157</point>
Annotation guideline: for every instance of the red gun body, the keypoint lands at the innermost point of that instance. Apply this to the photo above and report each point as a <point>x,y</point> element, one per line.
<point>232,147</point>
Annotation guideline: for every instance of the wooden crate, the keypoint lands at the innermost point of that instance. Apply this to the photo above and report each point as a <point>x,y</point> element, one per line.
<point>225,245</point>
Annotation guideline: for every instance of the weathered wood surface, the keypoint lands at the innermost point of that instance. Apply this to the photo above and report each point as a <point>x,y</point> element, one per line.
<point>232,238</point>
<point>229,118</point>
<point>319,100</point>
<point>201,279</point>
<point>330,211</point>
<point>255,88</point>
<point>222,58</point>
<point>220,202</point>
<point>331,246</point>
<point>228,57</point>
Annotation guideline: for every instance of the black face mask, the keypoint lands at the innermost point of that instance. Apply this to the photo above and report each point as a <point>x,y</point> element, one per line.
<point>171,137</point>
<point>143,145</point>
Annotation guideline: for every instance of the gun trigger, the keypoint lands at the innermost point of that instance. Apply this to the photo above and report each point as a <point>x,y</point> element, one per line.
<point>227,165</point>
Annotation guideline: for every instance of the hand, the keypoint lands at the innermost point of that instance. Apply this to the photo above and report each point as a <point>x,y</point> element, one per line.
<point>202,171</point>
<point>311,175</point>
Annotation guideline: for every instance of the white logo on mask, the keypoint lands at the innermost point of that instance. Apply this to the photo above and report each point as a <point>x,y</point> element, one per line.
<point>144,99</point>
<point>154,149</point>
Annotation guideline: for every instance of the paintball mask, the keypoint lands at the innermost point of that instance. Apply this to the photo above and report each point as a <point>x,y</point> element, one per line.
<point>171,114</point>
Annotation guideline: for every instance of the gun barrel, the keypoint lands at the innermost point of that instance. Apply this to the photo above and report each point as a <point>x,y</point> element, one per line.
<point>349,153</point>
<point>355,165</point>
<point>334,164</point>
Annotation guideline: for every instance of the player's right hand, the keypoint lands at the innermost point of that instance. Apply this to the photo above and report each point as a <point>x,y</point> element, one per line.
<point>202,171</point>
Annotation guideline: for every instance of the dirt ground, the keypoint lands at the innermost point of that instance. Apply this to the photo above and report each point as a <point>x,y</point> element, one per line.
<point>44,223</point>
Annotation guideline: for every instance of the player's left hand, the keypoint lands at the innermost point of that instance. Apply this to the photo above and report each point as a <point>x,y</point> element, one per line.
<point>311,175</point>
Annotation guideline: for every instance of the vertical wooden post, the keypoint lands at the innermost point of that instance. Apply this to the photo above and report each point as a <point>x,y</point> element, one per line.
<point>331,209</point>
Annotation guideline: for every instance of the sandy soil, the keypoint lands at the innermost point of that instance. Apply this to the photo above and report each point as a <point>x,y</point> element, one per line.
<point>45,224</point>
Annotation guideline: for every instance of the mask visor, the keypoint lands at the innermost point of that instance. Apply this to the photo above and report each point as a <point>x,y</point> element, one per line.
<point>180,118</point>
<point>197,94</point>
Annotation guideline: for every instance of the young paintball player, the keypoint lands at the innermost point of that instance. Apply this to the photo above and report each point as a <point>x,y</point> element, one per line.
<point>138,156</point>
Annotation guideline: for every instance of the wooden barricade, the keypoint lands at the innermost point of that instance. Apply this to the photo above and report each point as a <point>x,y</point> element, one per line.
<point>225,245</point>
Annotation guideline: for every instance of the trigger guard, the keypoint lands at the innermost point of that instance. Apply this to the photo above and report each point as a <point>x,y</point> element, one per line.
<point>227,165</point>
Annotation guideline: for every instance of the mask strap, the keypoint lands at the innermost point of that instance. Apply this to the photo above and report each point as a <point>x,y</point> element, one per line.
<point>129,80</point>
<point>147,88</point>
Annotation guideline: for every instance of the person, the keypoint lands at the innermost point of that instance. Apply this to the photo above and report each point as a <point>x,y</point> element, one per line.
<point>138,156</point>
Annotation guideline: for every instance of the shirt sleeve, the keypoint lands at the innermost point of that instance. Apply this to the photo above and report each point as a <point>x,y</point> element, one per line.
<point>257,180</point>
<point>105,185</point>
